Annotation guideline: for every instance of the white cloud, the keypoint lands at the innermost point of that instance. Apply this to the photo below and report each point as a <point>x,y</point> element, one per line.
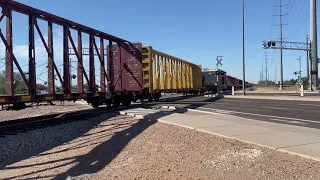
<point>21,51</point>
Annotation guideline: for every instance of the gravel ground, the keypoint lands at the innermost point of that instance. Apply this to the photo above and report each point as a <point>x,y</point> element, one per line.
<point>6,115</point>
<point>127,148</point>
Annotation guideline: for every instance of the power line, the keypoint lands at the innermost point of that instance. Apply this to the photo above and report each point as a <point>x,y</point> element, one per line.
<point>290,13</point>
<point>300,17</point>
<point>272,20</point>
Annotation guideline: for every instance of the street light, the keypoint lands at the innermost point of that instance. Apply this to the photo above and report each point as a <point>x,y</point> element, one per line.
<point>243,59</point>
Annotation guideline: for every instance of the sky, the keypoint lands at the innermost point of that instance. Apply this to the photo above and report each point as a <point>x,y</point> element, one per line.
<point>196,31</point>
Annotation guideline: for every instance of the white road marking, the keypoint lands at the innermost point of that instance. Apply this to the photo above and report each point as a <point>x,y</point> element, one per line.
<point>274,108</point>
<point>296,119</point>
<point>295,122</point>
<point>309,104</point>
<point>237,100</point>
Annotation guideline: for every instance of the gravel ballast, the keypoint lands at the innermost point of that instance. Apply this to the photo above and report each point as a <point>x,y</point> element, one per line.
<point>128,148</point>
<point>6,115</point>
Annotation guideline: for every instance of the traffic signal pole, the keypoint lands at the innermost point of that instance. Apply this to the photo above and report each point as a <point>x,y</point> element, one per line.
<point>314,44</point>
<point>243,57</point>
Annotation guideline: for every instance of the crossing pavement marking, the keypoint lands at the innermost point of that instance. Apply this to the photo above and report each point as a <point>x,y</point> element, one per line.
<point>262,115</point>
<point>294,122</point>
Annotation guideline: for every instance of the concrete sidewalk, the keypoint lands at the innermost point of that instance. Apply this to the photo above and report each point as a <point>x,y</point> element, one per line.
<point>296,140</point>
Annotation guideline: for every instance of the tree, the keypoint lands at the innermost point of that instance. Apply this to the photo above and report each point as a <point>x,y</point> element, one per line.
<point>20,86</point>
<point>263,83</point>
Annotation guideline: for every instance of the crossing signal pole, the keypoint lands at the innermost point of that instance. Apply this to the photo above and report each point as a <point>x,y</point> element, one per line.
<point>299,72</point>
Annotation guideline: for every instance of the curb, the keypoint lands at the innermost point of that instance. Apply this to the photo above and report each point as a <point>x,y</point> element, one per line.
<point>220,135</point>
<point>213,95</point>
<point>131,115</point>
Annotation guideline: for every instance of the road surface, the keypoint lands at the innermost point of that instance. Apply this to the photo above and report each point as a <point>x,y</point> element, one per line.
<point>300,113</point>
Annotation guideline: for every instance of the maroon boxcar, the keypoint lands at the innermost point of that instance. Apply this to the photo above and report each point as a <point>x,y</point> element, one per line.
<point>125,71</point>
<point>125,68</point>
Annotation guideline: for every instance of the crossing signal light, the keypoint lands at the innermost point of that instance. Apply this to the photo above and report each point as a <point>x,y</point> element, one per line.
<point>217,72</point>
<point>313,72</point>
<point>270,43</point>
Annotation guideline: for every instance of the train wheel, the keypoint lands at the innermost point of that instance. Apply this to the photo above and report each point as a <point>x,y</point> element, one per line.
<point>109,103</point>
<point>95,105</point>
<point>126,100</point>
<point>116,101</point>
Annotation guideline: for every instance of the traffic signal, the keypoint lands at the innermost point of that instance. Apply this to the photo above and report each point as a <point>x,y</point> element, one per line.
<point>313,72</point>
<point>271,43</point>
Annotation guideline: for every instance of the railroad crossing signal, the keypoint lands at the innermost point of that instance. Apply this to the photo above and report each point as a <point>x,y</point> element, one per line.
<point>297,72</point>
<point>219,61</point>
<point>313,72</point>
<point>269,44</point>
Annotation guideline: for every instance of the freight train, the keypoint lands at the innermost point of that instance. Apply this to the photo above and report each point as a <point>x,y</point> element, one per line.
<point>143,73</point>
<point>133,71</point>
<point>138,72</point>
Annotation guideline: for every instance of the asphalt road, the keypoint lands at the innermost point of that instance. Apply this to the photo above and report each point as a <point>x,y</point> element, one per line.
<point>279,94</point>
<point>299,113</point>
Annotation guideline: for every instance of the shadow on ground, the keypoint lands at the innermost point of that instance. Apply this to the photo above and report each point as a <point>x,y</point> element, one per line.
<point>107,151</point>
<point>101,155</point>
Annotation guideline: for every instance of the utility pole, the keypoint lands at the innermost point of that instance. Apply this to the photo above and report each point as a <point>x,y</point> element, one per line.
<point>281,67</point>
<point>281,44</point>
<point>262,73</point>
<point>314,44</point>
<point>307,59</point>
<point>275,74</point>
<point>266,66</point>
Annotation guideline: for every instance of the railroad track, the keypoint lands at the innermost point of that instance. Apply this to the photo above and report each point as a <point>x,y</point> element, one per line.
<point>24,124</point>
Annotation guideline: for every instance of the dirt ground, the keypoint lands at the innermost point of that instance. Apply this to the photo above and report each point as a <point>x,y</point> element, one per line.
<point>126,148</point>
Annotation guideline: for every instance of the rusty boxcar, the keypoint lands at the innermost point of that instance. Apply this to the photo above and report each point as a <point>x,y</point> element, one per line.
<point>125,72</point>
